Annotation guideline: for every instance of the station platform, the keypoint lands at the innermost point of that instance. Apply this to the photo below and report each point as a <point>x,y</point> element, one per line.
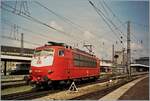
<point>140,91</point>
<point>135,90</point>
<point>10,78</point>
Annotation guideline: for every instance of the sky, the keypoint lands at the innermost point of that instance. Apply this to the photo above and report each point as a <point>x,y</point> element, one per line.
<point>84,25</point>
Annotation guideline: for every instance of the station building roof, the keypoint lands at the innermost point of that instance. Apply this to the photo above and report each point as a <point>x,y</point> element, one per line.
<point>140,65</point>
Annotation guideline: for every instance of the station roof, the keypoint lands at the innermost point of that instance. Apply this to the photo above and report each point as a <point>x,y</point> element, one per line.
<point>16,49</point>
<point>17,58</point>
<point>141,65</point>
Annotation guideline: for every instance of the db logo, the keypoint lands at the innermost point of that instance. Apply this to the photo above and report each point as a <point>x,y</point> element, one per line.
<point>45,56</point>
<point>39,60</point>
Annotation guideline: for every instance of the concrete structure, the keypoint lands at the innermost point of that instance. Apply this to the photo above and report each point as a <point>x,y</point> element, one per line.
<point>121,58</point>
<point>120,62</point>
<point>106,65</point>
<point>118,57</point>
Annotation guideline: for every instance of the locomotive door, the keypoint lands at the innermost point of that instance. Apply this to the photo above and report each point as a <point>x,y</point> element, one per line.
<point>68,59</point>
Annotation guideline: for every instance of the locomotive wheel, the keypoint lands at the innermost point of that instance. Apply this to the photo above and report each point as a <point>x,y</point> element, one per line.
<point>26,79</point>
<point>55,85</point>
<point>45,86</point>
<point>36,86</point>
<point>95,79</point>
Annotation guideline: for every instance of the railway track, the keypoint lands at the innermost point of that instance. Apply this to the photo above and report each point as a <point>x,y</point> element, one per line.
<point>100,93</point>
<point>39,93</point>
<point>28,94</point>
<point>34,93</point>
<point>11,81</point>
<point>11,84</point>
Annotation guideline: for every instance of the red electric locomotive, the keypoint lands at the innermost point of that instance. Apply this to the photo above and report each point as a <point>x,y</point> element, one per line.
<point>59,62</point>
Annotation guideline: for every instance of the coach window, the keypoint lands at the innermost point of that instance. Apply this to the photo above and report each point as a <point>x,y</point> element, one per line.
<point>61,53</point>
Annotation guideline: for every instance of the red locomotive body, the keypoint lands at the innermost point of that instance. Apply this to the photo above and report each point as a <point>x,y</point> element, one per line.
<point>58,62</point>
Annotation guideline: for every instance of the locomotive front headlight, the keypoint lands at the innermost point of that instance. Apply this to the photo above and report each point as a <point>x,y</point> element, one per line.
<point>50,71</point>
<point>30,71</point>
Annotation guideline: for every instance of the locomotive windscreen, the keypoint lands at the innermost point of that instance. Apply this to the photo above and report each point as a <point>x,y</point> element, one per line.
<point>43,57</point>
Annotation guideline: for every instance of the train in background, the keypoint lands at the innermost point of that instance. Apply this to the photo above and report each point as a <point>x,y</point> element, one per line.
<point>56,62</point>
<point>20,68</point>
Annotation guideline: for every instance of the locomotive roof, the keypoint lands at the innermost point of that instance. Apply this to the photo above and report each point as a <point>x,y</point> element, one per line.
<point>81,51</point>
<point>51,43</point>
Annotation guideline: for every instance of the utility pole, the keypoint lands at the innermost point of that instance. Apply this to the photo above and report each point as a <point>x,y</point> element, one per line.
<point>113,53</point>
<point>113,59</point>
<point>22,44</point>
<point>123,59</point>
<point>128,50</point>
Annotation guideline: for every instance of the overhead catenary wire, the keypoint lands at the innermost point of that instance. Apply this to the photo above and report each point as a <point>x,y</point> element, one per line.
<point>104,19</point>
<point>105,10</point>
<point>28,30</point>
<point>10,38</point>
<point>116,28</point>
<point>65,19</point>
<point>103,15</point>
<point>117,19</point>
<point>111,11</point>
<point>26,16</point>
<point>114,15</point>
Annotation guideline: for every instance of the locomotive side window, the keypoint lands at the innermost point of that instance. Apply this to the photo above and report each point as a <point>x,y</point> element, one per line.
<point>61,52</point>
<point>83,61</point>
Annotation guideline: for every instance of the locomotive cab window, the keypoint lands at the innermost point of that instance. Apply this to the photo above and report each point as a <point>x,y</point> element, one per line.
<point>61,53</point>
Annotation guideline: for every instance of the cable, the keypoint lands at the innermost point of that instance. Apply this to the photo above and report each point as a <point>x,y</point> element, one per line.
<point>59,16</point>
<point>118,18</point>
<point>105,10</point>
<point>116,28</point>
<point>112,11</point>
<point>108,19</point>
<point>32,19</point>
<point>25,29</point>
<point>115,25</point>
<point>102,16</point>
<point>7,37</point>
<point>63,18</point>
